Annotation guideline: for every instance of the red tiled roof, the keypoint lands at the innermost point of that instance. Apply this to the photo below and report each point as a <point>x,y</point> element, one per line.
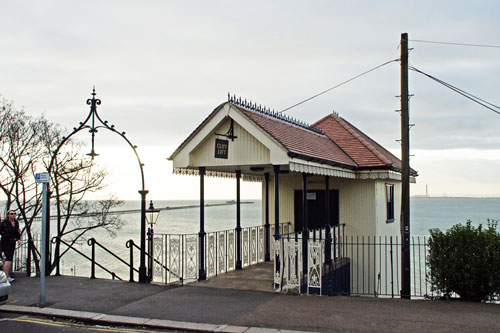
<point>299,141</point>
<point>340,143</point>
<point>362,149</point>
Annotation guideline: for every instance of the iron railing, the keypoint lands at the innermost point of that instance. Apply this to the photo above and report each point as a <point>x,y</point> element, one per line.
<point>179,252</point>
<point>92,260</point>
<point>361,265</point>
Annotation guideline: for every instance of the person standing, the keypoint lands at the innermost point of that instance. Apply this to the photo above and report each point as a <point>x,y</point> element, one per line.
<point>9,230</point>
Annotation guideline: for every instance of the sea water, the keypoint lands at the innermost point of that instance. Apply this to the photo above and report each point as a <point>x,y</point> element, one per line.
<point>426,213</point>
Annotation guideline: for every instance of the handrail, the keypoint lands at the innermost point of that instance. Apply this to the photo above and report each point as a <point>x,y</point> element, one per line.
<point>224,230</point>
<point>93,240</point>
<point>113,274</point>
<point>156,261</point>
<point>129,245</point>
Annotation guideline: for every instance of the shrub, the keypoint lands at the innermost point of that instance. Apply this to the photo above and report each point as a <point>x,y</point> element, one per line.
<point>465,260</point>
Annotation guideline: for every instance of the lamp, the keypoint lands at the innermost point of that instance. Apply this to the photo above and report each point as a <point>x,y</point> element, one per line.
<point>152,214</point>
<point>151,217</point>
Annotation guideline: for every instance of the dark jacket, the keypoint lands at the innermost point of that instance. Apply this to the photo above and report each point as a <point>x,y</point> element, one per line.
<point>9,233</point>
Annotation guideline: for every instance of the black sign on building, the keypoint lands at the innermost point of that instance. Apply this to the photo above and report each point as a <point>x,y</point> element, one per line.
<point>221,148</point>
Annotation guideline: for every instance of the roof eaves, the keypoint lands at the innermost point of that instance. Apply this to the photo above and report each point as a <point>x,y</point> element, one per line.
<point>389,167</point>
<point>321,161</point>
<point>197,129</point>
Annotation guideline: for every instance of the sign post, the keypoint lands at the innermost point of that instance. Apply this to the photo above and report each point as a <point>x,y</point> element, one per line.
<point>43,178</point>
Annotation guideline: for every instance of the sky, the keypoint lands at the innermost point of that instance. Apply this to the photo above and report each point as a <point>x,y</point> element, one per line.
<point>160,67</point>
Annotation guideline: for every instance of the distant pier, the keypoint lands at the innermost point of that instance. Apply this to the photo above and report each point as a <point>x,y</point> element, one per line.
<point>232,202</point>
<point>132,211</point>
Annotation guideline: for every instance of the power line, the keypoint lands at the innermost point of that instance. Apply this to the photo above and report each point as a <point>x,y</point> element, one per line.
<point>458,44</point>
<point>338,85</point>
<point>464,93</point>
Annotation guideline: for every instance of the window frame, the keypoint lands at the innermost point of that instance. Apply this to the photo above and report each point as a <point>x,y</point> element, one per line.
<point>389,203</point>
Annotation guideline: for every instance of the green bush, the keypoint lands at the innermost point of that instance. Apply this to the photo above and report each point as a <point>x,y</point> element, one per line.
<point>465,260</point>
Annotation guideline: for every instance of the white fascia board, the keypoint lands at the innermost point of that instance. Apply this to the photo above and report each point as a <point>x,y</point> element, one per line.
<point>379,174</point>
<point>315,168</point>
<point>278,153</point>
<point>181,160</point>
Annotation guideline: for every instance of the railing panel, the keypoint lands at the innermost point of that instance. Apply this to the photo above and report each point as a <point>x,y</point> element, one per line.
<point>211,255</point>
<point>231,250</point>
<point>262,244</point>
<point>278,260</point>
<point>292,263</point>
<point>174,251</point>
<point>191,255</point>
<point>253,245</point>
<point>315,250</point>
<point>158,254</point>
<point>245,243</point>
<point>222,253</point>
<point>370,265</point>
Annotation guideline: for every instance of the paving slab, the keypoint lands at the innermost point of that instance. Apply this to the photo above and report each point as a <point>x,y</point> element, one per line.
<point>194,304</point>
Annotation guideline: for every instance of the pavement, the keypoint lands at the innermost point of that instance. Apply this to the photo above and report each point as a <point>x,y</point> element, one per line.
<point>240,302</point>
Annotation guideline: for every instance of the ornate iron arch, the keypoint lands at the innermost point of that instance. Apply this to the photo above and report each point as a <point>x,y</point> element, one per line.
<point>93,118</point>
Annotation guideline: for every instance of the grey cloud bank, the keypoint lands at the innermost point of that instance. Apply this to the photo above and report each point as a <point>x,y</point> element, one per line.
<point>161,67</point>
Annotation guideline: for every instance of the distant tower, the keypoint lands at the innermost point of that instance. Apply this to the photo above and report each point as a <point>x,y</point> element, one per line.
<point>426,191</point>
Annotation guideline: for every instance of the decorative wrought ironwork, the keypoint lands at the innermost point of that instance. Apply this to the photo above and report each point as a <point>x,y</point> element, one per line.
<point>314,265</point>
<point>278,259</point>
<point>292,263</point>
<point>244,245</point>
<point>230,132</point>
<point>158,256</point>
<point>222,253</point>
<point>179,252</point>
<point>230,251</point>
<point>249,105</point>
<point>217,174</point>
<point>253,246</point>
<point>262,244</point>
<point>191,254</point>
<point>174,258</point>
<point>211,257</point>
<point>94,119</point>
<point>271,233</point>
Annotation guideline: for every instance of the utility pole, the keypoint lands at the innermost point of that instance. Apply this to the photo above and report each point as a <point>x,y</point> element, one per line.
<point>405,173</point>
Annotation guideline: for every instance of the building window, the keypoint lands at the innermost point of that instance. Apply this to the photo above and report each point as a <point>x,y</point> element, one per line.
<point>389,195</point>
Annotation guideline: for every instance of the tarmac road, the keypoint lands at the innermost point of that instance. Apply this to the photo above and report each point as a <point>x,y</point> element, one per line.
<point>209,307</point>
<point>13,322</point>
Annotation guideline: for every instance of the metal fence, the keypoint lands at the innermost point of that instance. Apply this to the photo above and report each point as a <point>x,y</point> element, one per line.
<point>362,265</point>
<point>22,258</point>
<point>179,252</point>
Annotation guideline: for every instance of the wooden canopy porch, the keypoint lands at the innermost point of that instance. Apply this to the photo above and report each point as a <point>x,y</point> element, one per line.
<point>241,140</point>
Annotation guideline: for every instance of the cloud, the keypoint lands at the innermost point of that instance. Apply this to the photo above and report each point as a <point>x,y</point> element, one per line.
<point>161,67</point>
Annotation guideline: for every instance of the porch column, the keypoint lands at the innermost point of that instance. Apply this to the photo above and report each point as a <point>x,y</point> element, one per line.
<point>276,202</point>
<point>238,221</point>
<point>202,274</point>
<point>305,226</point>
<point>267,227</point>
<point>328,236</point>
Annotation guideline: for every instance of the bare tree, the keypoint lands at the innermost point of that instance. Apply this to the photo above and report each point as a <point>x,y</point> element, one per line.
<point>26,146</point>
<point>21,152</point>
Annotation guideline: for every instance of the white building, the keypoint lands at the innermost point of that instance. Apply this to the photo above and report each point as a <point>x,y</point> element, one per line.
<point>244,141</point>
